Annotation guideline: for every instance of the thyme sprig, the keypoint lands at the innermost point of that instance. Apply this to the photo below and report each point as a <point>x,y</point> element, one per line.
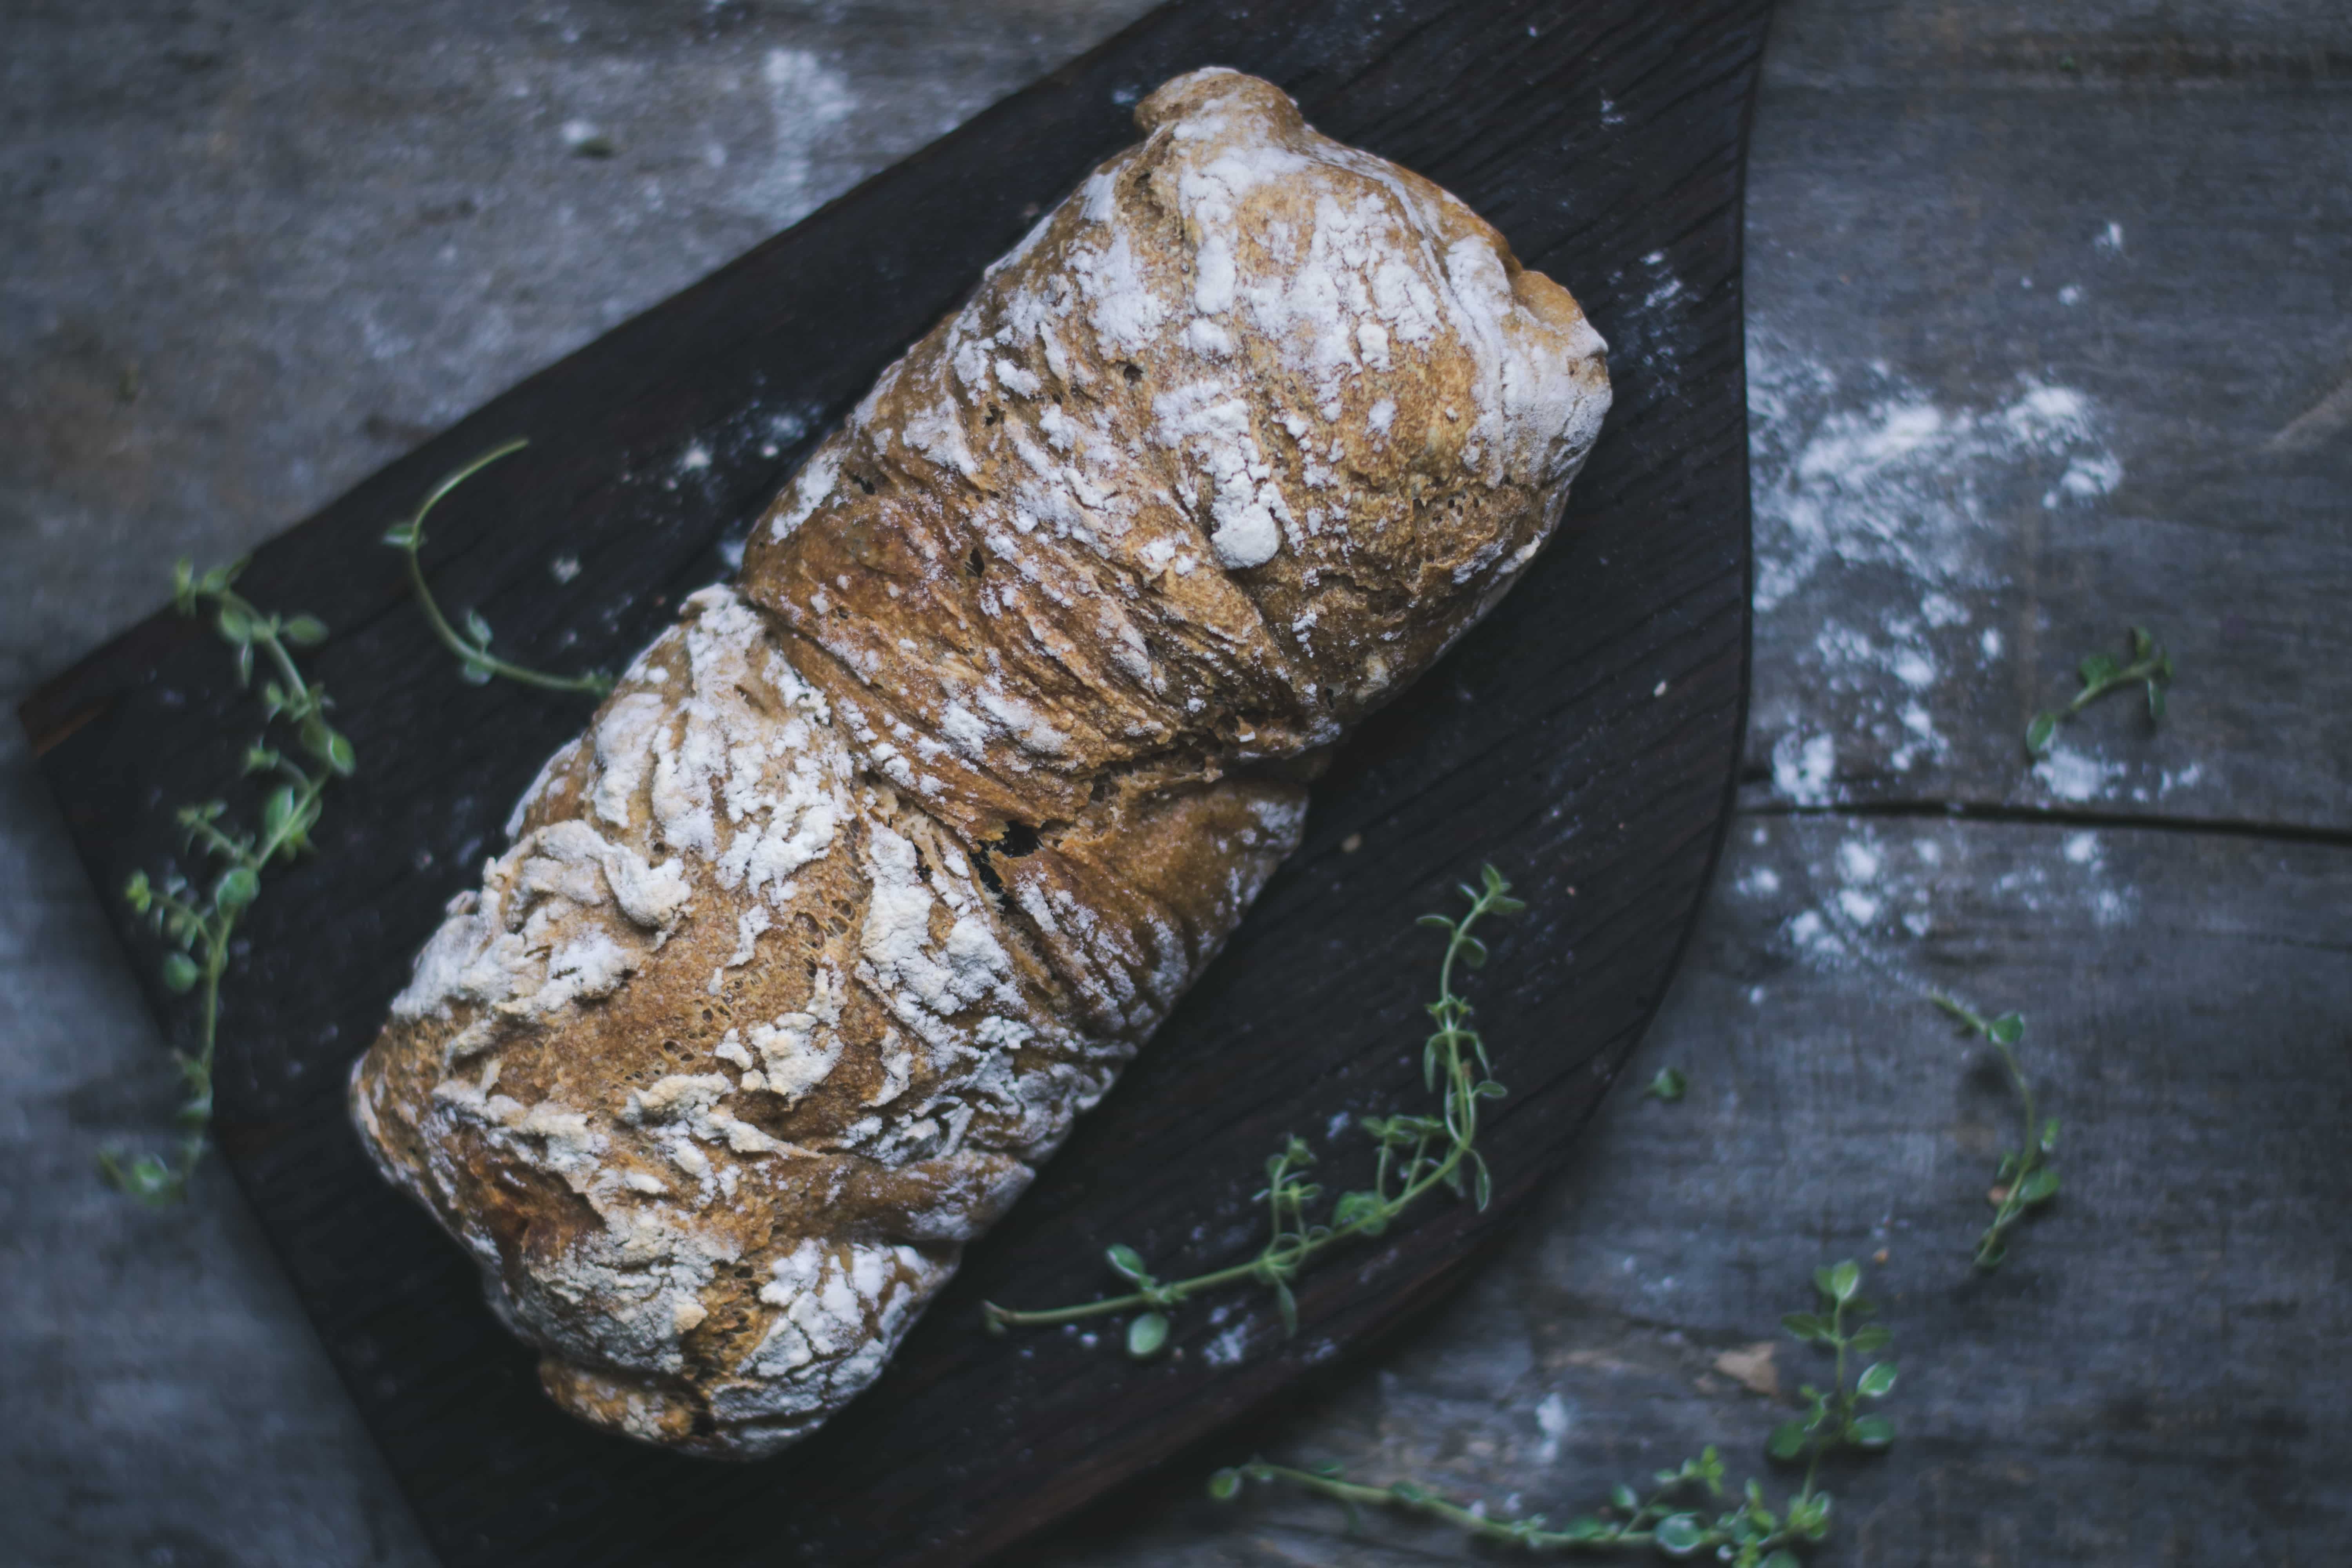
<point>2025,1180</point>
<point>1750,1535</point>
<point>1417,1155</point>
<point>2150,664</point>
<point>475,662</point>
<point>199,923</point>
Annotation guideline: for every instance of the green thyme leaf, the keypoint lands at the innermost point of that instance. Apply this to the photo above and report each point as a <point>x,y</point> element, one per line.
<point>1146,1335</point>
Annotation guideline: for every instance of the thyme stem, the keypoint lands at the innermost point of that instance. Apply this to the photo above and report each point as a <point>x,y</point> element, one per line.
<point>475,662</point>
<point>1453,1055</point>
<point>2100,674</point>
<point>1748,1534</point>
<point>2025,1180</point>
<point>202,927</point>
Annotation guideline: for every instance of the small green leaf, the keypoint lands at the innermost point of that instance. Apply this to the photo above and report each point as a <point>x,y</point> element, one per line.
<point>2050,1135</point>
<point>1805,1326</point>
<point>2155,703</point>
<point>305,631</point>
<point>1224,1485</point>
<point>1623,1496</point>
<point>1126,1260</point>
<point>2007,1029</point>
<point>2039,733</point>
<point>474,672</point>
<point>404,536</point>
<point>1782,1558</point>
<point>1877,1382</point>
<point>1788,1440</point>
<point>2142,644</point>
<point>183,585</point>
<point>2097,668</point>
<point>180,972</point>
<point>1846,1279</point>
<point>478,628</point>
<point>1146,1335</point>
<point>138,893</point>
<point>1435,922</point>
<point>235,626</point>
<point>1872,1432</point>
<point>276,812</point>
<point>1288,1304</point>
<point>2038,1188</point>
<point>237,887</point>
<point>340,755</point>
<point>1876,1337</point>
<point>1669,1086</point>
<point>1586,1528</point>
<point>146,1178</point>
<point>1680,1535</point>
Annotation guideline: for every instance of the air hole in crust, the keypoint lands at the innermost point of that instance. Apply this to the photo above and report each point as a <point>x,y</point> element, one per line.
<point>989,878</point>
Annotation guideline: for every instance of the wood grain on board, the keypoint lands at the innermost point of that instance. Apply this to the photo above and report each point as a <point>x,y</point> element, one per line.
<point>1585,739</point>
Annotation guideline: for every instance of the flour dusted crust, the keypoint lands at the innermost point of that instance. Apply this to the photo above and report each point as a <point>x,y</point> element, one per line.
<point>875,870</point>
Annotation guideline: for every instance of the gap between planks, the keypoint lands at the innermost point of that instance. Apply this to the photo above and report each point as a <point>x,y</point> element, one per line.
<point>2060,816</point>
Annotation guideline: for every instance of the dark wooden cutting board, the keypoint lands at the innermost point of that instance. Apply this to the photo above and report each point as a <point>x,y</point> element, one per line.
<point>1584,739</point>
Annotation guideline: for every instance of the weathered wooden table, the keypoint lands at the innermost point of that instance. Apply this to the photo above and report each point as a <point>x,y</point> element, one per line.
<point>2050,333</point>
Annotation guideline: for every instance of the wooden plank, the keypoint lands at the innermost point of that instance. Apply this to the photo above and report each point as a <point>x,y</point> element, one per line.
<point>1587,737</point>
<point>2155,1374</point>
<point>1991,431</point>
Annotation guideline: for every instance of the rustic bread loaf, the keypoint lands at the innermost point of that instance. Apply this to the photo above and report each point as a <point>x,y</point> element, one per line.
<point>876,867</point>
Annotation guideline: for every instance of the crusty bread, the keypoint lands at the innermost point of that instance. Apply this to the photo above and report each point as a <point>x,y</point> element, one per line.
<point>876,867</point>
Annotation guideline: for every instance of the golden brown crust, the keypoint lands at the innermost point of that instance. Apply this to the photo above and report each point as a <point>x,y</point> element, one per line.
<point>870,875</point>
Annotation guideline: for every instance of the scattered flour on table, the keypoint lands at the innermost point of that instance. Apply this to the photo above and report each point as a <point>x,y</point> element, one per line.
<point>1880,512</point>
<point>1859,895</point>
<point>1859,467</point>
<point>807,99</point>
<point>1552,1421</point>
